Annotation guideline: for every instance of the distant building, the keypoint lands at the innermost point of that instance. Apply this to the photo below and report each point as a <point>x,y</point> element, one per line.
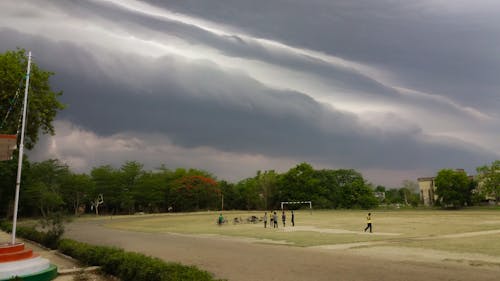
<point>427,191</point>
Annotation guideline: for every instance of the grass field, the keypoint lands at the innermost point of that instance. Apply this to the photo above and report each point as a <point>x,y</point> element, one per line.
<point>462,231</point>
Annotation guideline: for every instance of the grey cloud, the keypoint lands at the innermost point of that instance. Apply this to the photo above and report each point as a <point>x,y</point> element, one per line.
<point>197,104</point>
<point>339,77</point>
<point>451,54</point>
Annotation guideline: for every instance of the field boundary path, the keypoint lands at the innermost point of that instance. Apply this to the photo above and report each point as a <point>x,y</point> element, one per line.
<point>241,260</point>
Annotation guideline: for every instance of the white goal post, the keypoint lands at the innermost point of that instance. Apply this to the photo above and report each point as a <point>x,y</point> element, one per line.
<point>297,202</point>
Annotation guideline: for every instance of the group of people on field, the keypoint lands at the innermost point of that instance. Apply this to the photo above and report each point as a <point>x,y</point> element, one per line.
<point>274,219</point>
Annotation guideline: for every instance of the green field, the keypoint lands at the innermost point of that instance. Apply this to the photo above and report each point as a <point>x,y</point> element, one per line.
<point>465,231</point>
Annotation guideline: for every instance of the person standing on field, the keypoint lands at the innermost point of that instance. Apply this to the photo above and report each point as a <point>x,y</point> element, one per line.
<point>283,218</point>
<point>369,222</point>
<point>293,219</point>
<point>275,220</point>
<point>265,220</point>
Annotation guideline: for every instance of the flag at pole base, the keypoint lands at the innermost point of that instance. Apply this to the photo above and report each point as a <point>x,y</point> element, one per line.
<point>17,261</point>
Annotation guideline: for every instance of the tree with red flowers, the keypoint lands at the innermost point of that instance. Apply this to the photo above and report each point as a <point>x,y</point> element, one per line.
<point>196,192</point>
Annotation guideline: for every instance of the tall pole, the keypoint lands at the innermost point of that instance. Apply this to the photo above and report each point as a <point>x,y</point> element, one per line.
<point>21,149</point>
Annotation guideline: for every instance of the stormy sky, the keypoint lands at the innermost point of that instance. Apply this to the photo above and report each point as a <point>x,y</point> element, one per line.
<point>394,89</point>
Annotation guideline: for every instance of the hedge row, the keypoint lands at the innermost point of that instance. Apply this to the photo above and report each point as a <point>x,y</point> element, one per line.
<point>117,262</point>
<point>131,266</point>
<point>48,239</point>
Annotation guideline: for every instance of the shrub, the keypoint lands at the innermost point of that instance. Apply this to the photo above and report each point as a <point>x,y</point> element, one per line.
<point>131,266</point>
<point>124,265</point>
<point>6,226</point>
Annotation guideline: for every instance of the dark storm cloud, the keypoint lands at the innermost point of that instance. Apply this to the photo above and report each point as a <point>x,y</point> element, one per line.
<point>150,27</point>
<point>446,47</point>
<point>175,98</point>
<point>344,78</point>
<point>364,84</point>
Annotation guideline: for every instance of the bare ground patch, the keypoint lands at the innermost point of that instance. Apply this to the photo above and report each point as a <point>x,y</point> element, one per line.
<point>335,231</point>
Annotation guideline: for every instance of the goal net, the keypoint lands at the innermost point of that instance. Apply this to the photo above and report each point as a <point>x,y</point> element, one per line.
<point>297,202</point>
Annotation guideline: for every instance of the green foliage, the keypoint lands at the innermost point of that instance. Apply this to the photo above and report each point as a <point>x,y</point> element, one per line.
<point>6,226</point>
<point>131,266</point>
<point>43,186</point>
<point>75,190</point>
<point>53,227</point>
<point>43,102</point>
<point>453,188</point>
<point>48,238</point>
<point>8,173</point>
<point>326,188</point>
<point>489,180</point>
<point>50,187</point>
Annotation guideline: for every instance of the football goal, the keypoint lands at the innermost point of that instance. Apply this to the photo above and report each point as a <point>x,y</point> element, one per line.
<point>297,202</point>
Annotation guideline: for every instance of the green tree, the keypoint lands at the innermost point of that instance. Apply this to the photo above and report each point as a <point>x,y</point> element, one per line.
<point>128,176</point>
<point>43,186</point>
<point>107,185</point>
<point>249,191</point>
<point>43,102</point>
<point>452,188</point>
<point>354,191</point>
<point>75,190</point>
<point>267,183</point>
<point>298,184</point>
<point>489,180</point>
<point>232,199</point>
<point>150,191</point>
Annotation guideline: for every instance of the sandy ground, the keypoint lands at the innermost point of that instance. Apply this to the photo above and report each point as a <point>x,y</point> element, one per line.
<point>246,260</point>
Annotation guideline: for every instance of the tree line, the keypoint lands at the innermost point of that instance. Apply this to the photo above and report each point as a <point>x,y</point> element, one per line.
<point>50,186</point>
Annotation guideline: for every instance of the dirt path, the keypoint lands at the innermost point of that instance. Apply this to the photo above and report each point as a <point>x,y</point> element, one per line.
<point>244,261</point>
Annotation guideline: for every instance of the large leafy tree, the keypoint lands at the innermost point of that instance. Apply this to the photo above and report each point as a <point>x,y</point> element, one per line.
<point>489,180</point>
<point>354,192</point>
<point>75,191</point>
<point>43,187</point>
<point>150,193</point>
<point>452,187</point>
<point>129,175</point>
<point>267,183</point>
<point>196,192</point>
<point>43,101</point>
<point>106,186</point>
<point>298,184</point>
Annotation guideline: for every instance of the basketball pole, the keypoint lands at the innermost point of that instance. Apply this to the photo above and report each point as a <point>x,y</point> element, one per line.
<point>21,150</point>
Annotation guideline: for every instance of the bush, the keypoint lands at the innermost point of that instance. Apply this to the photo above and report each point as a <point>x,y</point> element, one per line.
<point>124,265</point>
<point>49,238</point>
<point>131,266</point>
<point>6,226</point>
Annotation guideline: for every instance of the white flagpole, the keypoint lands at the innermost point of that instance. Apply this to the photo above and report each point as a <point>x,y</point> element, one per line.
<point>21,149</point>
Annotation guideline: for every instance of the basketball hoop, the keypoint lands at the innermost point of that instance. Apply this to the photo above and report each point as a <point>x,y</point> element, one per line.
<point>8,143</point>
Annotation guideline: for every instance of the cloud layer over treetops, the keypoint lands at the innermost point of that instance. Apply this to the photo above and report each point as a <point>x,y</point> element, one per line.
<point>396,91</point>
